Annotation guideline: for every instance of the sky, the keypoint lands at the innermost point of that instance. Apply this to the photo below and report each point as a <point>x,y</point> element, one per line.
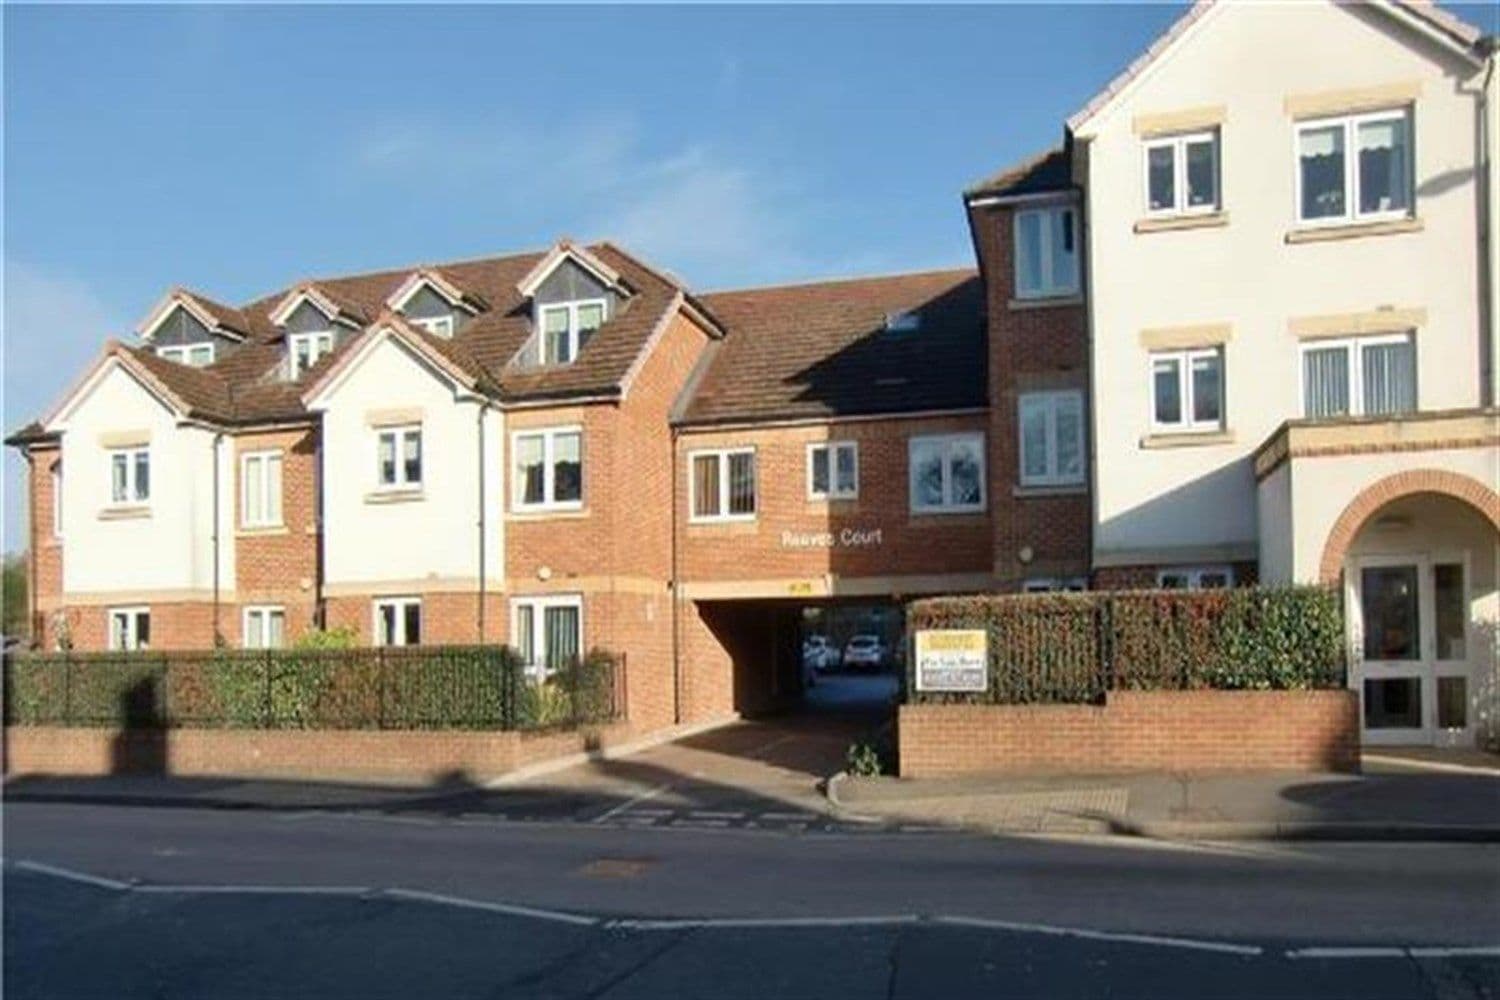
<point>236,149</point>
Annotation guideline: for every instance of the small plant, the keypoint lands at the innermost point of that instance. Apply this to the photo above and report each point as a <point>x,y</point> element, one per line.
<point>862,760</point>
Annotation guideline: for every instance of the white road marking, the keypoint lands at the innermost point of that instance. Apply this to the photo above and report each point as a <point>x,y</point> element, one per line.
<point>753,922</point>
<point>254,890</point>
<point>1080,932</point>
<point>70,875</point>
<point>645,796</point>
<point>1346,952</point>
<point>802,817</point>
<point>1414,951</point>
<point>712,824</point>
<point>709,814</point>
<point>556,916</point>
<point>1477,951</point>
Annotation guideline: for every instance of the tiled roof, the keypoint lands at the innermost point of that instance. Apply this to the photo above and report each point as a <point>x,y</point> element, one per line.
<point>1049,171</point>
<point>822,350</point>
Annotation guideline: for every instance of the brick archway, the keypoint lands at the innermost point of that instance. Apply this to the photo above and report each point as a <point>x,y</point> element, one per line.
<point>1372,498</point>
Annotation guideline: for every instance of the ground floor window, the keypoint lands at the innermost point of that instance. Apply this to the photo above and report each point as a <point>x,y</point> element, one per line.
<point>1195,578</point>
<point>265,628</point>
<point>398,621</point>
<point>129,628</point>
<point>1054,584</point>
<point>547,631</point>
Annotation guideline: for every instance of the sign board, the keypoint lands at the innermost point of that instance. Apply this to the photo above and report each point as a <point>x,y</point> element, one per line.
<point>952,660</point>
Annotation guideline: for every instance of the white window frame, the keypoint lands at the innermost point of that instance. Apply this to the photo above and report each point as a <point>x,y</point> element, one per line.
<point>1193,576</point>
<point>832,448</point>
<point>946,442</point>
<point>1178,144</point>
<point>1185,393</point>
<point>133,614</point>
<point>269,498</point>
<point>264,613</point>
<point>1350,125</point>
<point>1053,476</point>
<point>573,307</point>
<point>1354,347</point>
<point>57,500</point>
<point>399,432</point>
<point>182,354</point>
<point>722,455</point>
<point>319,344</point>
<point>438,326</point>
<point>537,606</point>
<point>1055,585</point>
<point>1047,287</point>
<point>400,604</point>
<point>132,484</point>
<point>549,436</point>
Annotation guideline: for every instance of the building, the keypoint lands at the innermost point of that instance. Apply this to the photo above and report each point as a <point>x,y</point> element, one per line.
<point>1239,326</point>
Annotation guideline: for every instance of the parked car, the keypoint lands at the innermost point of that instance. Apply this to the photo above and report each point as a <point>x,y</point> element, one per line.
<point>865,652</point>
<point>819,653</point>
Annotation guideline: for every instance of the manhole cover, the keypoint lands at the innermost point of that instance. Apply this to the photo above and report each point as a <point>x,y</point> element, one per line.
<point>616,867</point>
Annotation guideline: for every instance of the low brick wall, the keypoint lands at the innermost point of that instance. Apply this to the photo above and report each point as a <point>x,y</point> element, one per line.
<point>353,754</point>
<point>1181,731</point>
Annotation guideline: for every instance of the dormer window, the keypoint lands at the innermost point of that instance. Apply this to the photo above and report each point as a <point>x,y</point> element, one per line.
<point>305,349</point>
<point>194,355</point>
<point>566,327</point>
<point>438,326</point>
<point>903,322</point>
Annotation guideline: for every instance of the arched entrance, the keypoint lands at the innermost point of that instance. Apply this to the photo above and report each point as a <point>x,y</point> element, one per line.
<point>1419,554</point>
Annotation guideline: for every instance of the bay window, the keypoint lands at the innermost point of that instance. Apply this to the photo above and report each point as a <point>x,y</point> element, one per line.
<point>1046,248</point>
<point>946,473</point>
<point>721,485</point>
<point>548,469</point>
<point>1187,390</point>
<point>1361,376</point>
<point>1374,183</point>
<point>1051,429</point>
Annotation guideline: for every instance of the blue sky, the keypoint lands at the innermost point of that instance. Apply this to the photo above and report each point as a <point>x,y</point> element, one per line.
<point>235,149</point>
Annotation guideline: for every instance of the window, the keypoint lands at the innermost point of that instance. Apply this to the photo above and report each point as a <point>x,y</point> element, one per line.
<point>440,326</point>
<point>947,473</point>
<point>833,471</point>
<point>129,628</point>
<point>129,476</point>
<point>547,631</point>
<point>1054,585</point>
<point>399,457</point>
<point>1187,391</point>
<point>1051,438</point>
<point>305,349</point>
<point>1046,252</point>
<point>1365,376</point>
<point>548,469</point>
<point>398,621</point>
<point>566,327</point>
<point>57,501</point>
<point>1375,183</point>
<point>265,628</point>
<point>1182,174</point>
<point>722,485</point>
<point>196,355</point>
<point>1195,578</point>
<point>260,489</point>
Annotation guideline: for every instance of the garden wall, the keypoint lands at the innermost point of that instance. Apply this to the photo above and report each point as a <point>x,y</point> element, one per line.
<point>1180,731</point>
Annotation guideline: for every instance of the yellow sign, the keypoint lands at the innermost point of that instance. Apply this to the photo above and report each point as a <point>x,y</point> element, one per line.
<point>800,587</point>
<point>952,659</point>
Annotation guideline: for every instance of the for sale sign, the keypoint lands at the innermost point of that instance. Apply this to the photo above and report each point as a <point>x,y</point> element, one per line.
<point>952,659</point>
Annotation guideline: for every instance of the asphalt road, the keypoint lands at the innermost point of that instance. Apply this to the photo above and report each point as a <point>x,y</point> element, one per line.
<point>216,903</point>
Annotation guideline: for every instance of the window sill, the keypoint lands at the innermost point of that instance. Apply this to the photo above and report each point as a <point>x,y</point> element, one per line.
<point>1353,230</point>
<point>124,513</point>
<point>1047,302</point>
<point>395,496</point>
<point>718,522</point>
<point>262,530</point>
<point>549,513</point>
<point>1172,223</point>
<point>824,501</point>
<point>1186,439</point>
<point>1030,492</point>
<point>920,515</point>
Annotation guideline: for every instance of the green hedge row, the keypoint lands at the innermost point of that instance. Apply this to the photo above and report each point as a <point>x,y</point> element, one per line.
<point>428,687</point>
<point>1077,647</point>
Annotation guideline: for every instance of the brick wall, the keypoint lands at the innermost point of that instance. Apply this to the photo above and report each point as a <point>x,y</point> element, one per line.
<point>389,755</point>
<point>44,549</point>
<point>1181,731</point>
<point>1143,576</point>
<point>1032,347</point>
<point>448,618</point>
<point>278,566</point>
<point>756,550</point>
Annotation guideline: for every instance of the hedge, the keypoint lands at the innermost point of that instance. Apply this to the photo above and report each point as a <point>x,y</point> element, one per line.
<point>424,687</point>
<point>1077,647</point>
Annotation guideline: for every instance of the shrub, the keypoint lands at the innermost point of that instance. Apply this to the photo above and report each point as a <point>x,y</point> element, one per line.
<point>1076,647</point>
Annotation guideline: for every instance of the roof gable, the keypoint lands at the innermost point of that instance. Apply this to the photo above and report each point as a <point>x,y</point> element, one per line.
<point>565,250</point>
<point>218,318</point>
<point>432,278</point>
<point>435,354</point>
